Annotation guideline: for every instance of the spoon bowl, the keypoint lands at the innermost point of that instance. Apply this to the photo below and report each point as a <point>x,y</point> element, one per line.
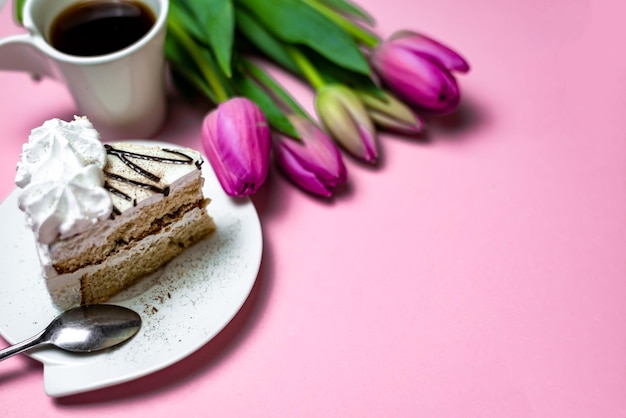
<point>83,329</point>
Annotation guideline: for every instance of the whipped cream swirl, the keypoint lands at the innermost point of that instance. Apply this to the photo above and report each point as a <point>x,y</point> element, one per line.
<point>61,175</point>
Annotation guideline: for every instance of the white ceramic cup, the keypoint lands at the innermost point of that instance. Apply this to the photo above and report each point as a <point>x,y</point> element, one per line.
<point>122,92</point>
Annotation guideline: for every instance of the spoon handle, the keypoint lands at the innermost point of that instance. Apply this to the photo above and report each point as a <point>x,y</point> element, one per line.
<point>21,346</point>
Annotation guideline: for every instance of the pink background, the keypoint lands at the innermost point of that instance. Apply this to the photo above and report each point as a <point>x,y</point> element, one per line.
<point>479,273</point>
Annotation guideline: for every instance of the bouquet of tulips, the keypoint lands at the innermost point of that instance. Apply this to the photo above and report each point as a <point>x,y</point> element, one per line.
<point>362,83</point>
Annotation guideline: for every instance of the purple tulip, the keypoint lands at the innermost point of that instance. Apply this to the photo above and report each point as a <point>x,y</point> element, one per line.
<point>314,162</point>
<point>419,70</point>
<point>237,142</point>
<point>347,120</point>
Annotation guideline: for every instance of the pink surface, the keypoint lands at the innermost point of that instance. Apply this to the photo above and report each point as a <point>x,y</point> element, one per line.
<point>477,274</point>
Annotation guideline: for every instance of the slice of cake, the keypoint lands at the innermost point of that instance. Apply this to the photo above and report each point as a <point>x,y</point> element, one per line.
<point>105,216</point>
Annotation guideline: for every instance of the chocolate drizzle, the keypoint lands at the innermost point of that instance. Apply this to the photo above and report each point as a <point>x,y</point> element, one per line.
<point>125,156</point>
<point>139,184</point>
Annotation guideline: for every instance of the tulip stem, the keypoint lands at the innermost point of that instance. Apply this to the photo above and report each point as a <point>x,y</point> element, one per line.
<point>283,100</point>
<point>174,27</point>
<point>308,70</point>
<point>355,31</point>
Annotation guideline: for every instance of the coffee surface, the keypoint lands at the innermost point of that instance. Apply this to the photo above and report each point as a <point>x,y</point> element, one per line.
<point>100,27</point>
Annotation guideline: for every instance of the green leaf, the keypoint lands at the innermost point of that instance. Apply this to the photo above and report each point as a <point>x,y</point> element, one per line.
<point>346,22</point>
<point>216,19</point>
<point>276,118</point>
<point>348,8</point>
<point>294,21</point>
<point>179,11</point>
<point>335,74</point>
<point>19,11</point>
<point>258,36</point>
<point>202,56</point>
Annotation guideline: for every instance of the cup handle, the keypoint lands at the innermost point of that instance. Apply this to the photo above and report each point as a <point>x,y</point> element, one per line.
<point>17,53</point>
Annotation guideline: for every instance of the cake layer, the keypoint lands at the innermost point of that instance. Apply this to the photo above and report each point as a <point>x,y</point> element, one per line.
<point>97,283</point>
<point>112,235</point>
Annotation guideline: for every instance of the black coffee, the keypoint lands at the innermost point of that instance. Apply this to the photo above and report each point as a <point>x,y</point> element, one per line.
<point>98,27</point>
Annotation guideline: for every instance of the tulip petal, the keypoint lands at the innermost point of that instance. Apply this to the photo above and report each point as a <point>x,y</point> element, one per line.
<point>430,48</point>
<point>347,120</point>
<point>416,80</point>
<point>236,139</point>
<point>243,157</point>
<point>370,150</point>
<point>317,151</point>
<point>392,114</point>
<point>396,125</point>
<point>226,178</point>
<point>300,175</point>
<point>313,162</point>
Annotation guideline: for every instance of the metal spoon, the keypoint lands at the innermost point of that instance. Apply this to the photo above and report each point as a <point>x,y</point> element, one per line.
<point>83,330</point>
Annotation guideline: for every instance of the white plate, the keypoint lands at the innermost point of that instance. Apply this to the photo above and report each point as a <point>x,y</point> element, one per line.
<point>182,309</point>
